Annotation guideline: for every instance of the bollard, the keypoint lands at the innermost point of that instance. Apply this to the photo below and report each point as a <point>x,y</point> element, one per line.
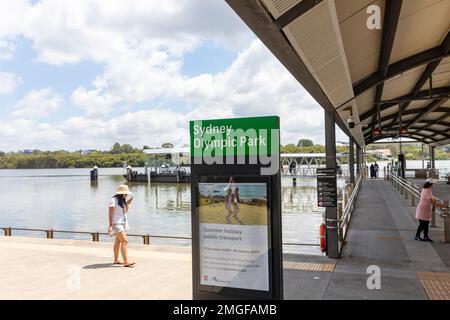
<point>433,218</point>
<point>406,193</point>
<point>49,233</point>
<point>7,232</point>
<point>447,226</point>
<point>294,181</point>
<point>95,236</point>
<point>413,198</point>
<point>146,239</point>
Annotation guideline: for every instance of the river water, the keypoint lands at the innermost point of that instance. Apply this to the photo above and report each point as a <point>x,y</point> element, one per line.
<point>65,199</point>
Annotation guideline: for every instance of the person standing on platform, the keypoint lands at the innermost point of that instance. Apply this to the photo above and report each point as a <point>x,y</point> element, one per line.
<point>118,224</point>
<point>376,168</point>
<point>424,210</point>
<point>228,201</point>
<point>372,171</point>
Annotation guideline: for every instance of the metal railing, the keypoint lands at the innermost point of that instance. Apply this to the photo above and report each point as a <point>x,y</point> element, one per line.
<point>345,209</point>
<point>410,189</point>
<point>95,235</point>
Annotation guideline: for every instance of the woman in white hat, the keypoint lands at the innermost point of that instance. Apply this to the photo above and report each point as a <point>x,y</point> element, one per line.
<point>118,223</point>
<point>424,210</point>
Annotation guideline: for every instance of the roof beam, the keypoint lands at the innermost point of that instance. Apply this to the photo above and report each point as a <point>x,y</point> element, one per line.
<point>418,131</point>
<point>439,121</point>
<point>415,136</point>
<point>404,65</point>
<point>428,123</point>
<point>435,132</point>
<point>433,105</point>
<point>396,101</point>
<point>445,46</point>
<point>440,140</point>
<point>391,17</point>
<point>407,112</point>
<point>296,11</point>
<point>255,15</point>
<point>419,84</point>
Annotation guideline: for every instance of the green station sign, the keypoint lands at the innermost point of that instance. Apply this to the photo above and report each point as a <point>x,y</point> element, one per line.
<point>236,208</point>
<point>235,137</point>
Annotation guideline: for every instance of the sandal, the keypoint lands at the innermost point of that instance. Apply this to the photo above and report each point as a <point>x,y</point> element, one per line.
<point>118,262</point>
<point>129,265</point>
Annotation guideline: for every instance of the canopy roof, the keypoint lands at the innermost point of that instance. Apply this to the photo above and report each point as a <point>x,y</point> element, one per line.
<point>397,76</point>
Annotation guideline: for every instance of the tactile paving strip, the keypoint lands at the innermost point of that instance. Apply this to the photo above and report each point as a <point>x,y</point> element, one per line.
<point>308,266</point>
<point>436,284</point>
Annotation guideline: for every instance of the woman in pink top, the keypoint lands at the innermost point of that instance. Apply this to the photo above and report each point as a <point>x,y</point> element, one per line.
<point>424,210</point>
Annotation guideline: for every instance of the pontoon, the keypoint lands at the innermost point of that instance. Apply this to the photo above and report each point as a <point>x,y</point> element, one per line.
<point>169,165</point>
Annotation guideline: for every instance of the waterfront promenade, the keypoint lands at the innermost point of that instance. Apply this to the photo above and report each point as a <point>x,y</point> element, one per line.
<point>381,234</point>
<point>74,269</point>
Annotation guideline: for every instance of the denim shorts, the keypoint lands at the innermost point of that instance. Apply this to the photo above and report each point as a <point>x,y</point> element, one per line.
<point>119,227</point>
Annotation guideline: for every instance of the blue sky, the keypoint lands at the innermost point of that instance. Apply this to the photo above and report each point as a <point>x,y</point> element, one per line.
<point>79,74</point>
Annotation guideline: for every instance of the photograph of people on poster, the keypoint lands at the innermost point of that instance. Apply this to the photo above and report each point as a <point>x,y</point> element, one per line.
<point>233,234</point>
<point>233,203</point>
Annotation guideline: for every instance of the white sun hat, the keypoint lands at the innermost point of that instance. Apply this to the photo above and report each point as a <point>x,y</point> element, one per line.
<point>431,180</point>
<point>123,189</point>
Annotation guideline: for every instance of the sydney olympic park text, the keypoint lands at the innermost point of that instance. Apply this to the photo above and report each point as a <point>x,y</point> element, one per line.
<point>237,146</point>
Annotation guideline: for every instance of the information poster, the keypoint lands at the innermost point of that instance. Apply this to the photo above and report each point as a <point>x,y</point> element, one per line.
<point>326,187</point>
<point>233,235</point>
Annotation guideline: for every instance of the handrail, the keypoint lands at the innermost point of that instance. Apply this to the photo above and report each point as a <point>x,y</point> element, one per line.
<point>406,187</point>
<point>96,235</point>
<point>416,191</point>
<point>344,214</point>
<point>349,206</point>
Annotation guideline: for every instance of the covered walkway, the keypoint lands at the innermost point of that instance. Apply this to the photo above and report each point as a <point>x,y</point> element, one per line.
<point>381,234</point>
<point>379,69</point>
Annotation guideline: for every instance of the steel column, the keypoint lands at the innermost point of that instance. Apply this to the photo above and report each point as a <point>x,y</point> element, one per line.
<point>331,212</point>
<point>432,157</point>
<point>358,159</point>
<point>351,160</point>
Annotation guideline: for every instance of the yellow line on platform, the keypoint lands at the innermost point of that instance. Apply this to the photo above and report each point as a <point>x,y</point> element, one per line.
<point>308,266</point>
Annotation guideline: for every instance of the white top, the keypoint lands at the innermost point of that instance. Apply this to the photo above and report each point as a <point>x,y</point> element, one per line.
<point>119,215</point>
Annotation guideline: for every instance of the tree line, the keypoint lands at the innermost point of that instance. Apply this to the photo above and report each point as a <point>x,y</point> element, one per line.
<point>125,153</point>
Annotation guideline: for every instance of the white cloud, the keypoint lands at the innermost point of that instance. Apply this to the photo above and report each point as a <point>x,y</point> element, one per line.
<point>141,47</point>
<point>25,134</point>
<point>7,49</point>
<point>9,82</point>
<point>92,102</point>
<point>67,32</point>
<point>37,104</point>
<point>14,16</point>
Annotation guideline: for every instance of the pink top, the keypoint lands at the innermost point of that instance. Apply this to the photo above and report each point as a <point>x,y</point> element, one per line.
<point>424,209</point>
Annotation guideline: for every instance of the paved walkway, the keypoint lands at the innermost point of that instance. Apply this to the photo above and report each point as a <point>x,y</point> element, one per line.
<point>381,234</point>
<point>66,269</point>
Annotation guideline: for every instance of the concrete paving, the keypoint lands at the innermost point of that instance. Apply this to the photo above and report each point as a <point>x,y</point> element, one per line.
<point>74,269</point>
<point>381,234</point>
